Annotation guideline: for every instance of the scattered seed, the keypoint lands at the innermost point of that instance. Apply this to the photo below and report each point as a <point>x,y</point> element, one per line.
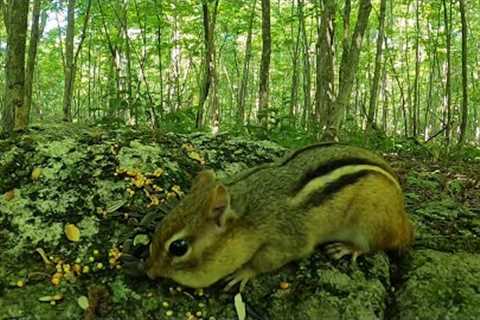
<point>284,285</point>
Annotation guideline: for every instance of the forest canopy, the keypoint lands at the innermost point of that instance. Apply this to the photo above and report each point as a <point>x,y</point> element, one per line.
<point>317,68</point>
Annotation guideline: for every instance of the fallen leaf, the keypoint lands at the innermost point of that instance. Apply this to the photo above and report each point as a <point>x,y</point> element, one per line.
<point>56,297</point>
<point>83,302</point>
<point>36,173</point>
<point>240,307</point>
<point>72,232</point>
<point>9,195</point>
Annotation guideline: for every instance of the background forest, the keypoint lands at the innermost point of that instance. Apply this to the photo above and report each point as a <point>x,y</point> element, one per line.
<point>404,68</point>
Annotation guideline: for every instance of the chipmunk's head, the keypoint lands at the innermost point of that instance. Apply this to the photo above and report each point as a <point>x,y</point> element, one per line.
<point>186,243</point>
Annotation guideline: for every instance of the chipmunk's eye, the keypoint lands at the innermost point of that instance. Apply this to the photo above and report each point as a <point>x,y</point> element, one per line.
<point>178,247</point>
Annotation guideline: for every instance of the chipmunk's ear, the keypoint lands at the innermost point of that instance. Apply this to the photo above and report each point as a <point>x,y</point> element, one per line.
<point>220,210</point>
<point>203,179</point>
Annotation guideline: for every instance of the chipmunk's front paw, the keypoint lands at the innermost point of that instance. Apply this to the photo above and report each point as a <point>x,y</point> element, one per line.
<point>240,276</point>
<point>337,250</point>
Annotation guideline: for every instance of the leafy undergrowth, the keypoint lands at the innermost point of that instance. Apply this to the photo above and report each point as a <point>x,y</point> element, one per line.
<point>75,199</point>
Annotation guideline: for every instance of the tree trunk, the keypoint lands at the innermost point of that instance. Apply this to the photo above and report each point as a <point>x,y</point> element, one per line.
<point>464,117</point>
<point>71,57</point>
<point>306,67</point>
<point>448,85</point>
<point>348,70</point>
<point>246,68</point>
<point>159,16</point>
<point>14,114</point>
<point>416,89</point>
<point>325,76</point>
<point>294,84</point>
<point>32,54</point>
<point>209,28</point>
<point>68,86</point>
<point>372,108</point>
<point>347,8</point>
<point>265,64</point>
<point>132,107</point>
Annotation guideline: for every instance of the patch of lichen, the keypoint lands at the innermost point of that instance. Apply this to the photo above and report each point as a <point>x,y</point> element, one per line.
<point>103,182</point>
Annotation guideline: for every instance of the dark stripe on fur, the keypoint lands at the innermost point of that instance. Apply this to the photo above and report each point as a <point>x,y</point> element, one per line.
<point>329,167</point>
<point>245,174</point>
<point>325,193</point>
<point>311,146</point>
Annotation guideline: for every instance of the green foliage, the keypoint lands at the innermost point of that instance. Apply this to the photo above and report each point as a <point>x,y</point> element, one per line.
<point>121,292</point>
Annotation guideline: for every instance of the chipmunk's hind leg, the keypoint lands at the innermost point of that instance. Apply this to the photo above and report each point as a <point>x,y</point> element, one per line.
<point>337,250</point>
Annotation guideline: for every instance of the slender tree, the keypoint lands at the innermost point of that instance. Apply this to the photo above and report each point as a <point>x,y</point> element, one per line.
<point>416,86</point>
<point>372,108</point>
<point>306,66</point>
<point>71,56</point>
<point>32,54</point>
<point>464,115</point>
<point>246,67</point>
<point>265,63</point>
<point>209,20</point>
<point>448,85</point>
<point>294,84</point>
<point>68,64</point>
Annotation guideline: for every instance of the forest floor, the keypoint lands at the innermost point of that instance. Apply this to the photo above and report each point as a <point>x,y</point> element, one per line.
<point>74,199</point>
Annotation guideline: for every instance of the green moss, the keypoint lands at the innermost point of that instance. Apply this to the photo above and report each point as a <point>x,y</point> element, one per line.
<point>88,226</point>
<point>138,156</point>
<point>440,286</point>
<point>27,230</point>
<point>121,292</point>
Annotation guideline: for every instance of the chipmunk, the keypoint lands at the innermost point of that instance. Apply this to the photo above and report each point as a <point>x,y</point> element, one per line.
<point>342,196</point>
